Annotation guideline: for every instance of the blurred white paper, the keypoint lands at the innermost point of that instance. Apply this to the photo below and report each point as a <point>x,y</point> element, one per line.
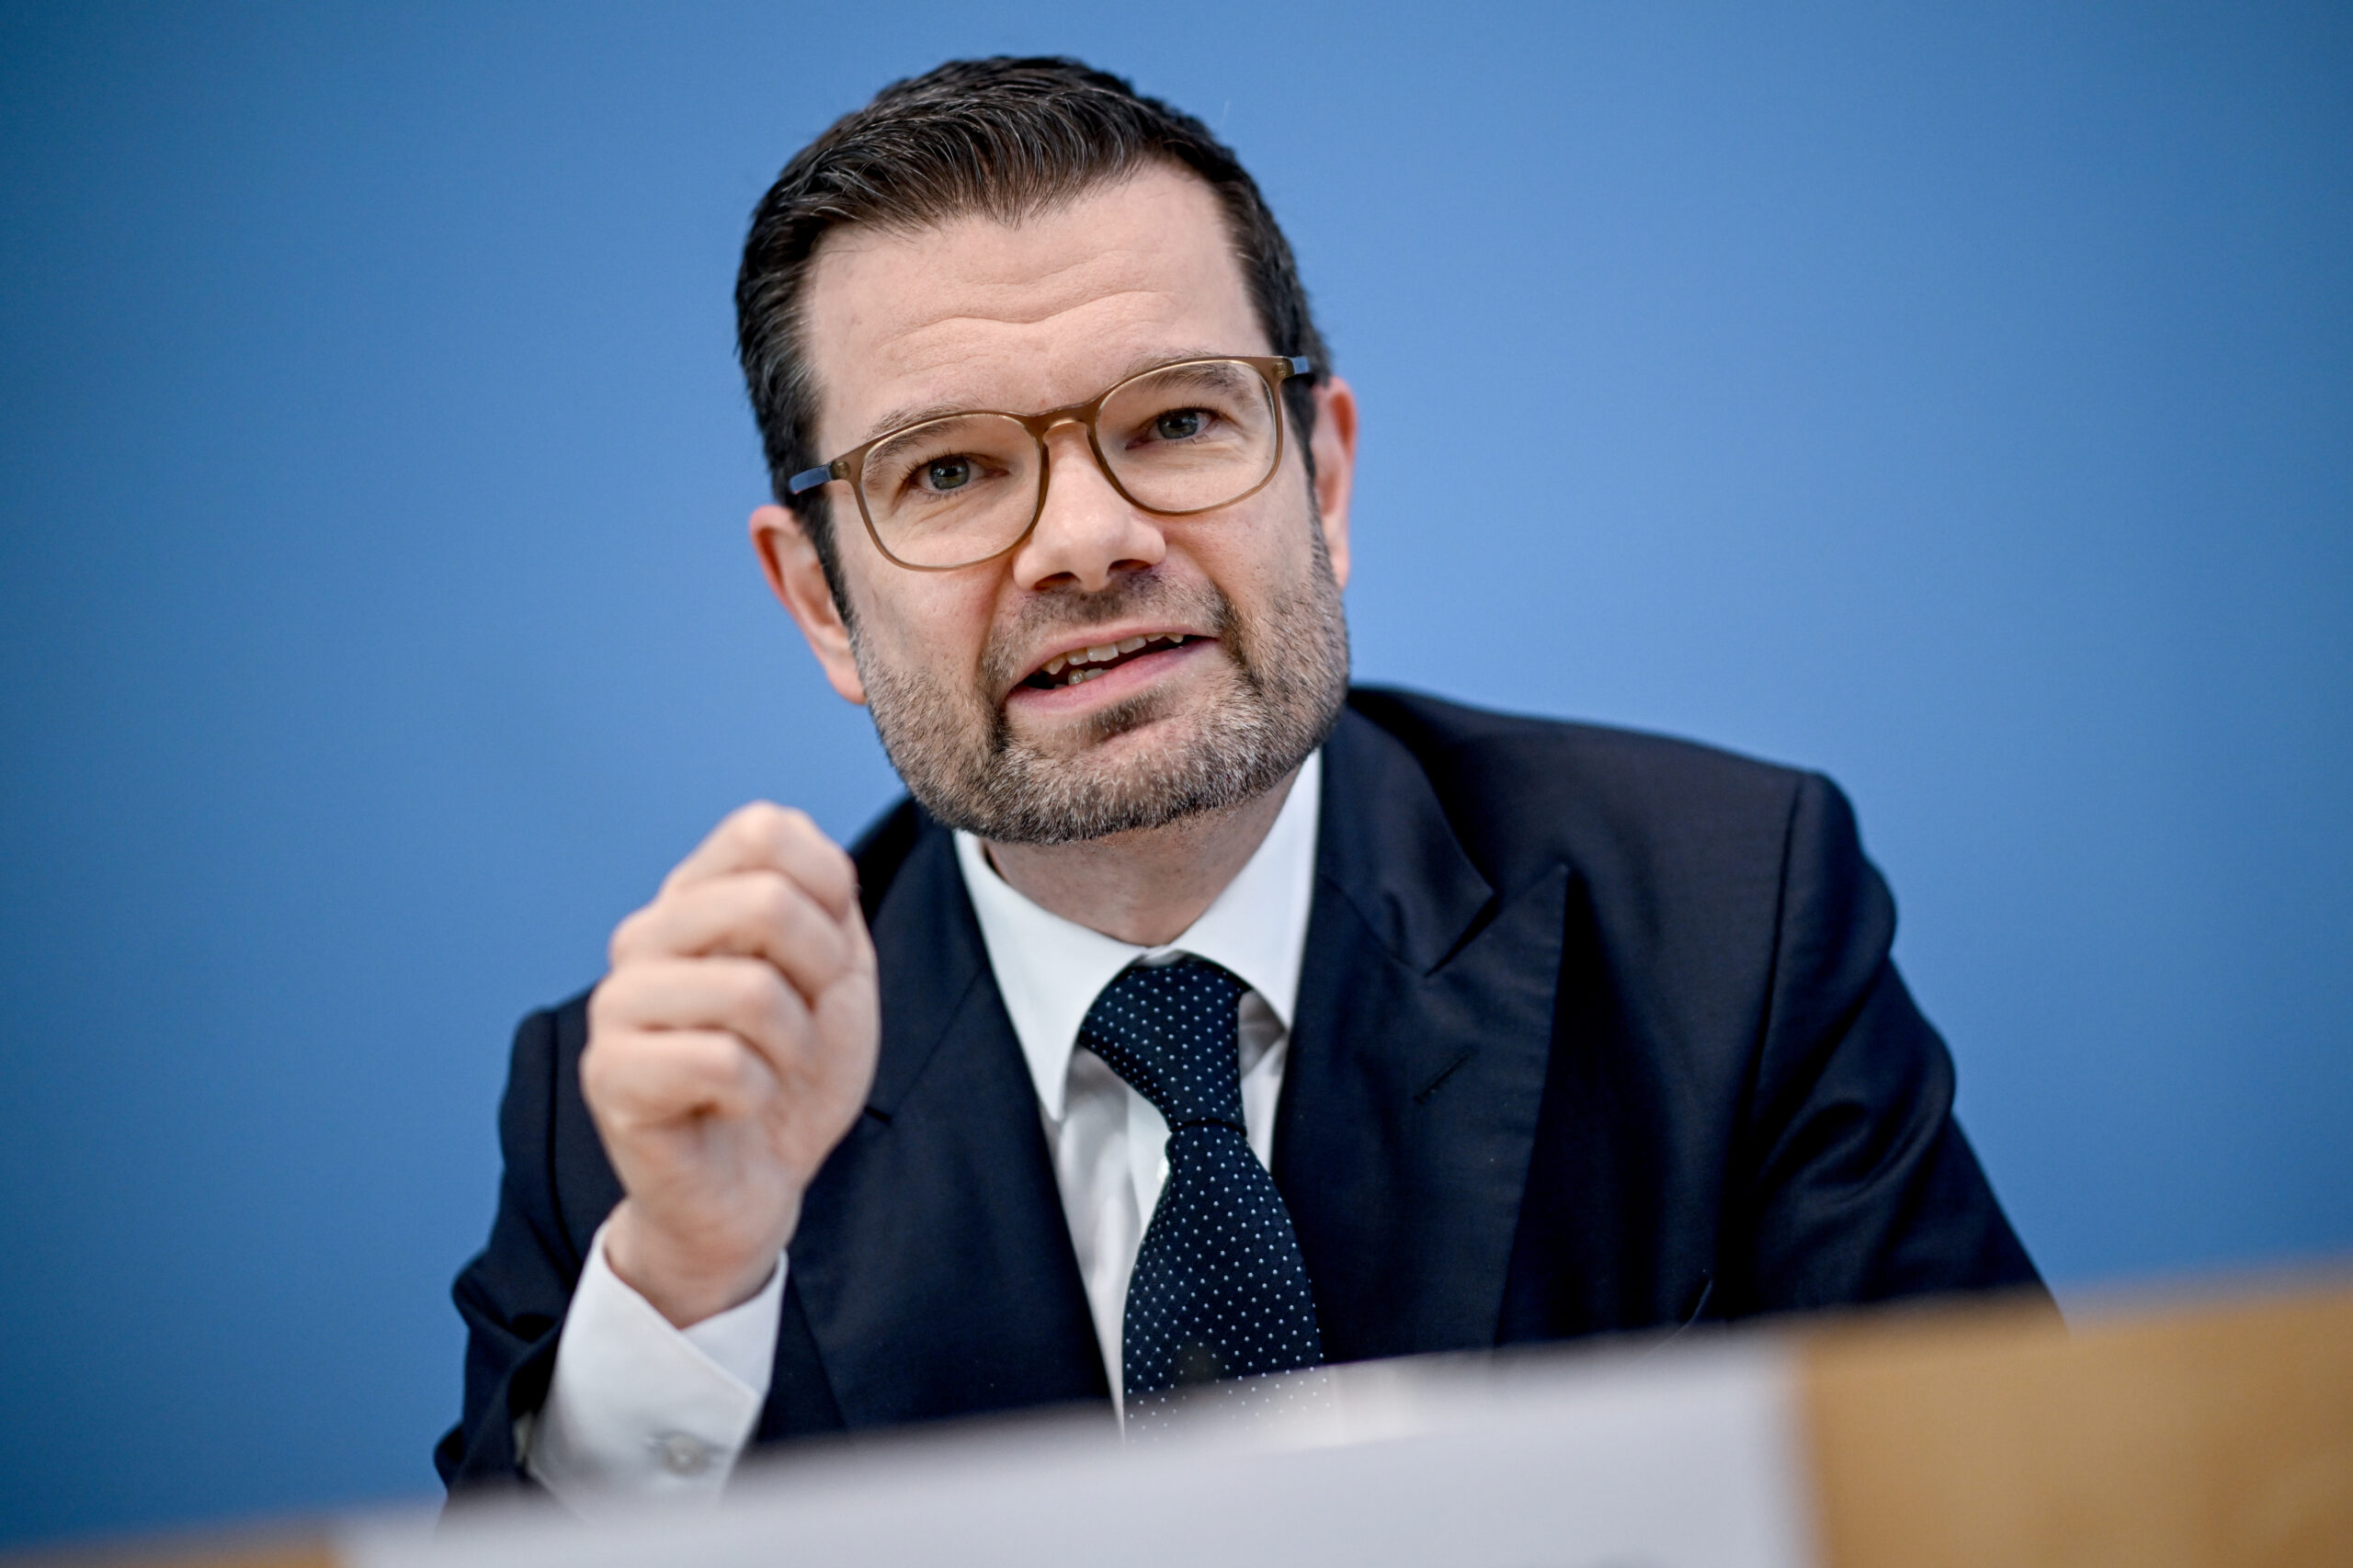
<point>1611,1459</point>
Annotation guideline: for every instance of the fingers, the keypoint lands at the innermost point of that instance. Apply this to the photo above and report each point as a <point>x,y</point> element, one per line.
<point>765,836</point>
<point>742,997</point>
<point>664,1076</point>
<point>754,913</point>
<point>729,1050</point>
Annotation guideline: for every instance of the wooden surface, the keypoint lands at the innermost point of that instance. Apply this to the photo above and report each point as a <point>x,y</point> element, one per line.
<point>274,1551</point>
<point>2211,1434</point>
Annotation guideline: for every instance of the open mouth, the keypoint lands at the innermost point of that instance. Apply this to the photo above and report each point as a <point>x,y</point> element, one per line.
<point>1081,664</point>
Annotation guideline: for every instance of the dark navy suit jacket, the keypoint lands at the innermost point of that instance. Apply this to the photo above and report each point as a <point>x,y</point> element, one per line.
<point>1595,1032</point>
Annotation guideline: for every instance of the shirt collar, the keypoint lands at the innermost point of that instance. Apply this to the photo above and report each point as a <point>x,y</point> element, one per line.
<point>1050,969</point>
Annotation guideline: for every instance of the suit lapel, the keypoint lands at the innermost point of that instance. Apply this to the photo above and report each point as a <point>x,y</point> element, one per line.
<point>933,1267</point>
<point>933,1264</point>
<point>1417,1060</point>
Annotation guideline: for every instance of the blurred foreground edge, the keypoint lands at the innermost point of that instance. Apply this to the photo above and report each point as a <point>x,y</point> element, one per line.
<point>2213,1431</point>
<point>2210,1432</point>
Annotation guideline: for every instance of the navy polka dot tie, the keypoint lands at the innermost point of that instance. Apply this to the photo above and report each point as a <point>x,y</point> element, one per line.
<point>1220,1290</point>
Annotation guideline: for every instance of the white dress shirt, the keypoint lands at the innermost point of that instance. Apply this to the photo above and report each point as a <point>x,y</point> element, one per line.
<point>638,1407</point>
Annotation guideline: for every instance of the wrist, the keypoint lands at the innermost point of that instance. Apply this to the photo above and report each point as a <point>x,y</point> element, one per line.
<point>685,1285</point>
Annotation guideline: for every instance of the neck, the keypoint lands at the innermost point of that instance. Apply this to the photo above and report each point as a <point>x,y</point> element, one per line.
<point>1145,887</point>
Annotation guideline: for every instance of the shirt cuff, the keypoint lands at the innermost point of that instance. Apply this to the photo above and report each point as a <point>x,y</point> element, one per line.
<point>639,1408</point>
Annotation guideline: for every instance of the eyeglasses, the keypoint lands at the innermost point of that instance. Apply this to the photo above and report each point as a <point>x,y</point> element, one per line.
<point>964,488</point>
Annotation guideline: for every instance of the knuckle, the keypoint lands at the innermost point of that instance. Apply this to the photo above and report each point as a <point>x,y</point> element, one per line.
<point>740,1072</point>
<point>698,1056</point>
<point>607,1001</point>
<point>749,987</point>
<point>598,1066</point>
<point>628,936</point>
<point>765,822</point>
<point>827,857</point>
<point>632,986</point>
<point>798,832</point>
<point>776,901</point>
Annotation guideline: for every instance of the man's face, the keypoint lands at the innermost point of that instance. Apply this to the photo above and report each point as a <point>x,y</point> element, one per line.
<point>1243,661</point>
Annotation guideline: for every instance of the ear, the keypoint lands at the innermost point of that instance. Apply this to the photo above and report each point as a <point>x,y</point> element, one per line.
<point>1335,444</point>
<point>798,579</point>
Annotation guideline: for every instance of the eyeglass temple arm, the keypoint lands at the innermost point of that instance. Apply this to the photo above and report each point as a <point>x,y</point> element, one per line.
<point>808,479</point>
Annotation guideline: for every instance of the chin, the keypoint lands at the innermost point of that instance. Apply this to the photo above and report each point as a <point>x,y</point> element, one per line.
<point>1175,751</point>
<point>1121,728</point>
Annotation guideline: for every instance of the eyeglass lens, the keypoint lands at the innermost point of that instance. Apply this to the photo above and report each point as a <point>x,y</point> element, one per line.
<point>1181,438</point>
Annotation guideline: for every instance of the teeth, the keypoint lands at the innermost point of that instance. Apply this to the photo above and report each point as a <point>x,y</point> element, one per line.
<point>1103,653</point>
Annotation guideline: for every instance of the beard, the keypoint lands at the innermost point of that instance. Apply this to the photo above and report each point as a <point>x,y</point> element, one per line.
<point>1287,677</point>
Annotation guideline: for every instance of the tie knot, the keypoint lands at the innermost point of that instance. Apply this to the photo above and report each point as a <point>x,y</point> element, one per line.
<point>1169,1030</point>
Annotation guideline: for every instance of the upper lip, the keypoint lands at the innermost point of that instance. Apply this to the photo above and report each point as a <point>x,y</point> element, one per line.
<point>1102,637</point>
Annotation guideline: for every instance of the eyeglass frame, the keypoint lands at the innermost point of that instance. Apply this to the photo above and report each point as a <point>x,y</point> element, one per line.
<point>1276,369</point>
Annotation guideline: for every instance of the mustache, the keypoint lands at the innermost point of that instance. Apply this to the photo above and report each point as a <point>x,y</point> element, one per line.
<point>1077,612</point>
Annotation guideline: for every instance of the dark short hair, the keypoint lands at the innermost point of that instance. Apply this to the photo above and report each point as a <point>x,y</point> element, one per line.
<point>1004,137</point>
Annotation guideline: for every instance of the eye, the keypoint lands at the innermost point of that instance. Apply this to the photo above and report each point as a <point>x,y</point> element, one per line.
<point>1180,423</point>
<point>941,474</point>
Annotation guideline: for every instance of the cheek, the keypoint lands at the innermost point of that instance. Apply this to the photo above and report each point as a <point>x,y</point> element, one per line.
<point>932,628</point>
<point>1270,555</point>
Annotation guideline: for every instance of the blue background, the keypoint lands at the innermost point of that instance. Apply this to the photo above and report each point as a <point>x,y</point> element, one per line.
<point>1958,401</point>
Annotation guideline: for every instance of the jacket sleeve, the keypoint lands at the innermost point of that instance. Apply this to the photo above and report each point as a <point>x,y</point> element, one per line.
<point>1857,1181</point>
<point>514,1293</point>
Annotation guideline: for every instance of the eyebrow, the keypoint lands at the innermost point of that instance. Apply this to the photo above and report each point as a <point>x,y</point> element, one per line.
<point>916,413</point>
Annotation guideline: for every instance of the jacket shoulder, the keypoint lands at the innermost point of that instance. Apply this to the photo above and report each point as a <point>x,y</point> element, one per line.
<point>1516,787</point>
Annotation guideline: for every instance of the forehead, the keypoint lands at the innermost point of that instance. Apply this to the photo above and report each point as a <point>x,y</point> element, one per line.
<point>974,312</point>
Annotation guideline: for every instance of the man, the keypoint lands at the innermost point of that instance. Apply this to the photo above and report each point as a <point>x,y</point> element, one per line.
<point>1198,1017</point>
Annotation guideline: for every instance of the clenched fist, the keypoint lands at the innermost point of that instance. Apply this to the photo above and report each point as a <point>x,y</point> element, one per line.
<point>730,1048</point>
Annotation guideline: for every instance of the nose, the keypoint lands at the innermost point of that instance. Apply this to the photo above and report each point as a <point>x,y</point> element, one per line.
<point>1087,533</point>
